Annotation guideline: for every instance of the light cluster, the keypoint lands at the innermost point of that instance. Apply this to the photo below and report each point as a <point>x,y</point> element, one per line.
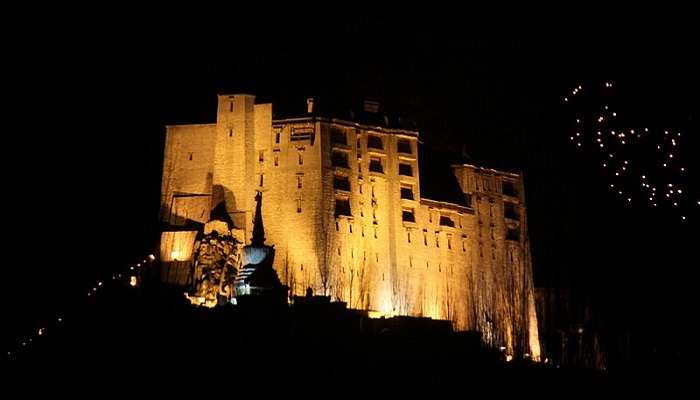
<point>127,276</point>
<point>642,164</point>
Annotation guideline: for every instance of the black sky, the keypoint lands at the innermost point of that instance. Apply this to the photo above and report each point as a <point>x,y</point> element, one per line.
<point>90,90</point>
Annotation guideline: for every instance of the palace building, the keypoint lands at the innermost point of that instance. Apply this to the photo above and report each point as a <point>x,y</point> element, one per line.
<point>345,211</point>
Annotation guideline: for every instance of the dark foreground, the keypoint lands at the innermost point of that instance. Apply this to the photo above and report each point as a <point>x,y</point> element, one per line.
<point>133,342</point>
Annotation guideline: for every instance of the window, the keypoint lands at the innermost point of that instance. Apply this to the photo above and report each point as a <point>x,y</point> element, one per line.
<point>510,211</point>
<point>375,142</point>
<point>230,132</point>
<point>338,137</point>
<point>359,144</point>
<point>509,189</point>
<point>231,109</point>
<point>405,169</point>
<point>445,220</point>
<point>262,179</point>
<point>302,133</point>
<point>341,182</point>
<point>425,237</point>
<point>513,234</point>
<point>350,226</point>
<point>340,159</point>
<point>375,165</point>
<point>407,192</point>
<point>449,242</point>
<point>300,181</point>
<point>261,156</point>
<point>342,207</point>
<point>277,160</point>
<point>278,132</point>
<point>190,156</point>
<point>404,146</point>
<point>408,233</point>
<point>299,205</point>
<point>468,199</point>
<point>376,233</point>
<point>408,216</point>
<point>301,158</point>
<point>437,239</point>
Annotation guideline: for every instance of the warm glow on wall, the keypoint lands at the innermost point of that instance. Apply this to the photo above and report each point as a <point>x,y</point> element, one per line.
<point>177,246</point>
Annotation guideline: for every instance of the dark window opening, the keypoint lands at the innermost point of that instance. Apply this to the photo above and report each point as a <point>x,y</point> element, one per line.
<point>404,146</point>
<point>300,181</point>
<point>261,156</point>
<point>230,132</point>
<point>341,183</point>
<point>277,137</point>
<point>342,207</point>
<point>262,178</point>
<point>340,159</point>
<point>405,169</point>
<point>407,193</point>
<point>510,211</point>
<point>375,165</point>
<point>231,109</point>
<point>446,221</point>
<point>375,142</point>
<point>468,199</point>
<point>408,216</point>
<point>301,158</point>
<point>513,234</point>
<point>338,137</point>
<point>277,160</point>
<point>509,189</point>
<point>190,157</point>
<point>301,134</point>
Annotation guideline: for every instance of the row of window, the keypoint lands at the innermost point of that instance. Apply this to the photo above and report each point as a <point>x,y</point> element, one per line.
<point>340,159</point>
<point>362,229</point>
<point>339,137</point>
<point>488,183</point>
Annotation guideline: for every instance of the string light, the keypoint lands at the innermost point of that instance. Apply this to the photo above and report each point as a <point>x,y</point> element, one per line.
<point>635,147</point>
<point>42,330</point>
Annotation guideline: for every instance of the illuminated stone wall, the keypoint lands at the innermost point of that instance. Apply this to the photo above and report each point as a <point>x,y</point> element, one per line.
<point>469,264</point>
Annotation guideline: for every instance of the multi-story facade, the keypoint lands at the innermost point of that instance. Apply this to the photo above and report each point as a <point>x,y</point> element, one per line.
<point>343,208</point>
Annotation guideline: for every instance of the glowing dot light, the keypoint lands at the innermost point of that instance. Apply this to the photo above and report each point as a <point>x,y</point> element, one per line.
<point>656,172</point>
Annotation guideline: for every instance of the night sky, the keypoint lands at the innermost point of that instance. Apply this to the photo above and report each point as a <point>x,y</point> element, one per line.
<point>90,91</point>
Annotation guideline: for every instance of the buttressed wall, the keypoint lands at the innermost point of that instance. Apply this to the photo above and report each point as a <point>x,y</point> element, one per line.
<point>343,208</point>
